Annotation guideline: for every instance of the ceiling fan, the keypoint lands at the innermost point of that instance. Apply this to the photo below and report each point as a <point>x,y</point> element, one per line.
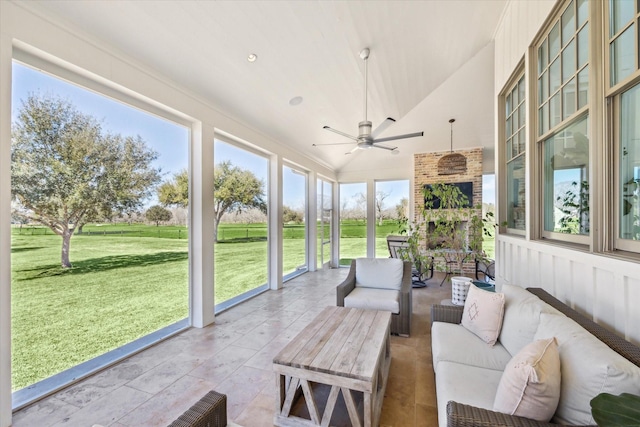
<point>367,139</point>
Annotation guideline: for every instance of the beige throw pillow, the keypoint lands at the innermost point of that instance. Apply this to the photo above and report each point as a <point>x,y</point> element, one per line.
<point>482,315</point>
<point>530,384</point>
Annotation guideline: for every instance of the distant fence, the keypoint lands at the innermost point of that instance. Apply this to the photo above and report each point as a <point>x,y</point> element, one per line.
<point>234,233</point>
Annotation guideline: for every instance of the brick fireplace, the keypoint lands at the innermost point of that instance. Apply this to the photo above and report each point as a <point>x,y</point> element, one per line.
<point>426,172</point>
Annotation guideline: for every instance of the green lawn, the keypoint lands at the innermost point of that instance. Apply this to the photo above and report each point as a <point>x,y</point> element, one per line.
<point>128,281</point>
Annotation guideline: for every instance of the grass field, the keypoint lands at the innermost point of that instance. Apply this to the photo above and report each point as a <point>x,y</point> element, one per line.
<point>128,281</point>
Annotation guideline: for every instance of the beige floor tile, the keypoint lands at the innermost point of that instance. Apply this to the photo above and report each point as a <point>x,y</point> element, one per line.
<point>234,356</point>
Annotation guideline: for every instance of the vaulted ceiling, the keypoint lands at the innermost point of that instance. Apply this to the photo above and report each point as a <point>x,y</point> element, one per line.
<point>430,61</point>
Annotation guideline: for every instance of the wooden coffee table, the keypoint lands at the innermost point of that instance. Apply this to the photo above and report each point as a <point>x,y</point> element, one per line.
<point>343,350</point>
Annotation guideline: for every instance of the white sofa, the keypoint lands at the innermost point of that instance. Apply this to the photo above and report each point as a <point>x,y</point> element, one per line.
<point>468,371</point>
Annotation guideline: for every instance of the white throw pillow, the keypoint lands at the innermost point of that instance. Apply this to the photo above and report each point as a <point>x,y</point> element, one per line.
<point>589,367</point>
<point>381,273</point>
<point>530,384</point>
<point>482,315</point>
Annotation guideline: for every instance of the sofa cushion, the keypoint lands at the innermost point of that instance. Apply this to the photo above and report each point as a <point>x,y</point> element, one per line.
<point>530,384</point>
<point>380,273</point>
<point>482,315</point>
<point>374,299</point>
<point>464,384</point>
<point>521,317</point>
<point>589,367</point>
<point>454,343</point>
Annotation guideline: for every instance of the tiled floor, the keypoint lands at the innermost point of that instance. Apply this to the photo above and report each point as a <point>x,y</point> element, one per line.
<point>234,356</point>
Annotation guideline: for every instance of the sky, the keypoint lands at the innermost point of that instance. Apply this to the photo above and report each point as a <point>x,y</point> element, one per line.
<point>171,140</point>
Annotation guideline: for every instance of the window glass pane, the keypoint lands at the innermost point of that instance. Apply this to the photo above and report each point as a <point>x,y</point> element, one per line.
<point>514,97</point>
<point>516,202</point>
<point>521,90</point>
<point>324,224</point>
<point>630,164</point>
<point>353,222</point>
<point>509,148</point>
<point>514,146</point>
<point>555,114</point>
<point>565,175</point>
<point>620,13</point>
<point>543,119</point>
<point>623,56</point>
<point>240,180</point>
<point>583,87</point>
<point>544,87</point>
<point>126,270</point>
<point>554,42</point>
<point>583,11</point>
<point>554,76</point>
<point>508,105</point>
<point>508,130</point>
<point>521,141</point>
<point>569,61</point>
<point>392,208</point>
<point>542,56</point>
<point>583,46</point>
<point>521,115</point>
<point>568,24</point>
<point>569,98</point>
<point>294,208</point>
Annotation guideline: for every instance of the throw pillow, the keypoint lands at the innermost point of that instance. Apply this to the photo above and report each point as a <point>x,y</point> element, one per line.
<point>530,383</point>
<point>482,315</point>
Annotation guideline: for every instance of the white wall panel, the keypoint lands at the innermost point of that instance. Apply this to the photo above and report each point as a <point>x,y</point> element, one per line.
<point>519,25</point>
<point>603,288</point>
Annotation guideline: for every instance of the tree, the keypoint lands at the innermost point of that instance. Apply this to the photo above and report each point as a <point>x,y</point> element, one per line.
<point>158,214</point>
<point>290,215</point>
<point>176,191</point>
<point>235,189</point>
<point>380,197</point>
<point>66,168</point>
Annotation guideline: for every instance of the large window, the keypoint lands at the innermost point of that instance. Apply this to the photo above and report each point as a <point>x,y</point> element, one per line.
<point>515,136</point>
<point>294,211</point>
<point>624,90</point>
<point>562,102</point>
<point>353,222</point>
<point>325,222</point>
<point>99,255</point>
<point>240,203</point>
<point>392,211</point>
<point>623,40</point>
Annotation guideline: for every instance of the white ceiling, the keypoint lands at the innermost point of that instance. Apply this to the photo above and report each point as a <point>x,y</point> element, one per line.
<point>430,61</point>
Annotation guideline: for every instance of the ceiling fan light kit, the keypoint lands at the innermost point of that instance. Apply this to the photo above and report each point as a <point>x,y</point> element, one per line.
<point>452,163</point>
<point>366,137</point>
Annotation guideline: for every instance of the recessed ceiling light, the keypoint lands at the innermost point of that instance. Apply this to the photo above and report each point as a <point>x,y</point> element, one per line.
<point>297,100</point>
<point>252,57</point>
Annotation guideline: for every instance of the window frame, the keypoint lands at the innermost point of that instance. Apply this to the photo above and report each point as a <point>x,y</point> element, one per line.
<point>555,19</point>
<point>518,76</point>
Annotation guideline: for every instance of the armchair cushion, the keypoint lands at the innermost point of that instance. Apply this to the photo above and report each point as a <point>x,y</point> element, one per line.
<point>374,299</point>
<point>380,273</point>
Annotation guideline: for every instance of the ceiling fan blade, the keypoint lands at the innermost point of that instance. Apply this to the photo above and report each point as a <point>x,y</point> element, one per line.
<point>384,147</point>
<point>340,133</point>
<point>332,143</point>
<point>382,127</point>
<point>356,148</point>
<point>392,138</point>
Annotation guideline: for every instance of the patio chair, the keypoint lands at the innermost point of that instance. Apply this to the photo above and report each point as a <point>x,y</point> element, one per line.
<point>379,284</point>
<point>210,411</point>
<point>486,269</point>
<point>399,248</point>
